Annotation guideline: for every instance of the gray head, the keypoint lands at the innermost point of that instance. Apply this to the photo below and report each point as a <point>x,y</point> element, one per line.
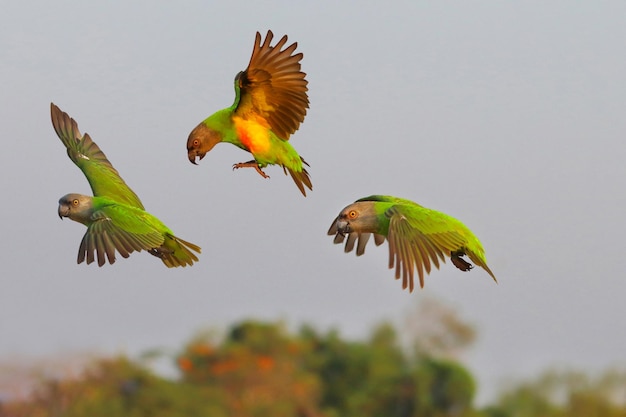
<point>77,207</point>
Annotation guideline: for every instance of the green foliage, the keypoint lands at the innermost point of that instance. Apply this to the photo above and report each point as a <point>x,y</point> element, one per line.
<point>324,374</point>
<point>443,388</point>
<point>260,369</point>
<point>117,387</point>
<point>565,394</point>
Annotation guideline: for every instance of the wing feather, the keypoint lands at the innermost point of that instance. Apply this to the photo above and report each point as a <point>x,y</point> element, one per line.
<point>422,255</point>
<point>104,180</point>
<point>418,237</point>
<point>122,246</point>
<point>352,237</point>
<point>363,239</point>
<point>273,88</point>
<point>339,238</point>
<point>425,249</point>
<point>105,236</point>
<point>432,236</point>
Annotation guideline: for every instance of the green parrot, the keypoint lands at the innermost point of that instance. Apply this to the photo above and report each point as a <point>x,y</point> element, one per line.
<point>270,103</point>
<point>417,236</point>
<point>114,216</point>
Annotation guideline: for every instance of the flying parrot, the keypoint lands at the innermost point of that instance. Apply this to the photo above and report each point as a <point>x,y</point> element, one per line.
<point>417,236</point>
<point>115,217</point>
<point>270,103</point>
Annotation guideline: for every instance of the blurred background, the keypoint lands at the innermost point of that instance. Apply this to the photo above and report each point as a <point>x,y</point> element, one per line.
<point>508,116</point>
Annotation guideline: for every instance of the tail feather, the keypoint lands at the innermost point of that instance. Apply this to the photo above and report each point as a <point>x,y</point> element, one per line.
<point>480,261</point>
<point>176,252</point>
<point>300,178</point>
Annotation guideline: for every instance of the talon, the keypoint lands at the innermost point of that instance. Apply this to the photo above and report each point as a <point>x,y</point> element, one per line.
<point>251,164</point>
<point>459,262</point>
<point>261,173</point>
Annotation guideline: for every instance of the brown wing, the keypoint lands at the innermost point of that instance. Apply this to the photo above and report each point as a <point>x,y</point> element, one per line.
<point>273,89</point>
<point>359,238</point>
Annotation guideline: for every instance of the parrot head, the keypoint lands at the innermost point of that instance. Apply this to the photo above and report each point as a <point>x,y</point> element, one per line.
<point>201,140</point>
<point>358,217</point>
<point>77,207</point>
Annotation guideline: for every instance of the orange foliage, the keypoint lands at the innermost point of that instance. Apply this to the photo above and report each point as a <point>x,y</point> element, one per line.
<point>294,348</point>
<point>185,364</point>
<point>265,363</point>
<point>223,367</point>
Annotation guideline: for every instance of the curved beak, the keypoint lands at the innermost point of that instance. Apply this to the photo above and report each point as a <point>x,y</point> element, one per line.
<point>63,211</point>
<point>343,227</point>
<point>192,155</point>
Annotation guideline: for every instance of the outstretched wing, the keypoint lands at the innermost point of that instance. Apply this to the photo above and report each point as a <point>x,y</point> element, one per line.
<point>419,237</point>
<point>113,230</point>
<point>272,90</point>
<point>104,180</point>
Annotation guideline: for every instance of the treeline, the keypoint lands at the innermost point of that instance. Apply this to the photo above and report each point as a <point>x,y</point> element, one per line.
<point>259,369</point>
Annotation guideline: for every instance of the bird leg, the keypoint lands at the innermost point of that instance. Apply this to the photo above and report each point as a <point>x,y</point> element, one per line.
<point>251,164</point>
<point>160,252</point>
<point>459,262</point>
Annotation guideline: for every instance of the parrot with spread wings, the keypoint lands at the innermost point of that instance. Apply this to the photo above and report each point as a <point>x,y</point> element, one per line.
<point>115,217</point>
<point>270,103</point>
<point>417,236</point>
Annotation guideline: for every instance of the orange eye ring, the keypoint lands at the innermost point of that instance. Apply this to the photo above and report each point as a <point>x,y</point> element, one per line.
<point>75,201</point>
<point>352,214</point>
<point>196,142</point>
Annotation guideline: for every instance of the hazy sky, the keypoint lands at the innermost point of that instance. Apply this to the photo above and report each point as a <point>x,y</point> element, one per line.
<point>507,115</point>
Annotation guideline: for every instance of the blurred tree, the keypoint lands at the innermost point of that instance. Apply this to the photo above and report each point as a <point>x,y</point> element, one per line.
<point>390,389</point>
<point>116,387</point>
<point>525,400</point>
<point>375,378</point>
<point>565,393</point>
<point>340,365</point>
<point>433,329</point>
<point>361,378</point>
<point>443,388</point>
<point>258,368</point>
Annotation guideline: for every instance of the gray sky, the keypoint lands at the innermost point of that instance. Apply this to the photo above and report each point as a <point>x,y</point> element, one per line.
<point>507,115</point>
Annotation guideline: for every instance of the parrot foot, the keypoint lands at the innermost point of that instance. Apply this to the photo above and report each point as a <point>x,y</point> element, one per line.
<point>160,252</point>
<point>251,164</point>
<point>459,262</point>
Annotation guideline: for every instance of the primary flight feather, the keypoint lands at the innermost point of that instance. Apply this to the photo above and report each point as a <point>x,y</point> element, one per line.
<point>270,103</point>
<point>115,217</point>
<point>418,237</point>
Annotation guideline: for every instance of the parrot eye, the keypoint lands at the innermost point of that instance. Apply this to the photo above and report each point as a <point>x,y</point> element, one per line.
<point>352,214</point>
<point>75,201</point>
<point>195,143</point>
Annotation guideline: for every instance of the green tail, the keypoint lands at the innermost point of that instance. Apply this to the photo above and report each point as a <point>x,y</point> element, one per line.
<point>300,178</point>
<point>176,252</point>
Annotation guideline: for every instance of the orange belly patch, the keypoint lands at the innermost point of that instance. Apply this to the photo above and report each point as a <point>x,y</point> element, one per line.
<point>254,135</point>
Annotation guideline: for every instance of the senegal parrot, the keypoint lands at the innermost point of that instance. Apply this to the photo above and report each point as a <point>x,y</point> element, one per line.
<point>270,103</point>
<point>114,216</point>
<point>417,236</point>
